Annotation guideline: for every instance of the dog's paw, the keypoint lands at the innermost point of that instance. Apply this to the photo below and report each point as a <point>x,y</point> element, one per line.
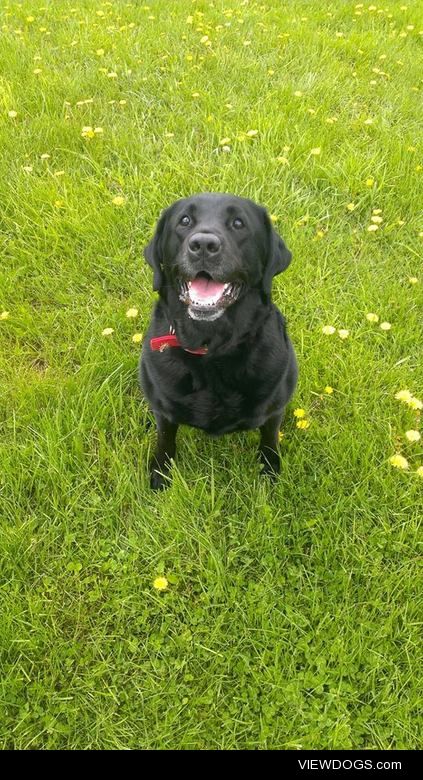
<point>158,480</point>
<point>271,464</point>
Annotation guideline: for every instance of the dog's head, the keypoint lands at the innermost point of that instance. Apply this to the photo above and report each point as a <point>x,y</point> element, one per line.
<point>212,248</point>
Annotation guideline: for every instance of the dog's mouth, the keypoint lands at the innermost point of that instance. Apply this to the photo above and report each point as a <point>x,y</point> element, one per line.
<point>206,298</point>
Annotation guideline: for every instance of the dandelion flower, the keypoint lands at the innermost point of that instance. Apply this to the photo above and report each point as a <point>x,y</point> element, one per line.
<point>385,326</point>
<point>376,219</point>
<point>98,130</point>
<point>328,330</point>
<point>107,331</point>
<point>281,435</point>
<point>413,435</point>
<point>303,424</point>
<point>398,461</point>
<point>12,114</point>
<point>413,280</point>
<point>160,583</point>
<point>415,404</point>
<point>282,160</point>
<point>343,333</point>
<point>350,206</point>
<point>372,317</point>
<point>372,228</point>
<point>137,338</point>
<point>298,93</point>
<point>370,182</point>
<point>118,200</point>
<point>419,471</point>
<point>316,150</point>
<point>403,395</point>
<point>87,132</point>
<point>251,133</point>
<point>328,390</point>
<point>132,313</point>
<point>299,413</point>
<point>45,157</point>
<point>4,315</point>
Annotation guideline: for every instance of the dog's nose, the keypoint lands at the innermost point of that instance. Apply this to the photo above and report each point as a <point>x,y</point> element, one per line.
<point>204,245</point>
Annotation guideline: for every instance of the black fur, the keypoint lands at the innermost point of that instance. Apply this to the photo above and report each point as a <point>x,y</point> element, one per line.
<point>249,372</point>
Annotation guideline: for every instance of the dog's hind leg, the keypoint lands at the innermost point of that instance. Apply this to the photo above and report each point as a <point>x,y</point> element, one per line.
<point>269,445</point>
<point>165,450</point>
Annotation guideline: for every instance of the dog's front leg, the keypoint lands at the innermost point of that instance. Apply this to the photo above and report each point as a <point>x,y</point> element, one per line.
<point>165,450</point>
<point>269,445</point>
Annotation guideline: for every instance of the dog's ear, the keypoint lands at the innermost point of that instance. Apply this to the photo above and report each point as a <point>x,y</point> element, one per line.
<point>278,255</point>
<point>153,252</point>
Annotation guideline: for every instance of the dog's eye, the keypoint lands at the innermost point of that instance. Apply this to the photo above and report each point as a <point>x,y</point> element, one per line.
<point>185,220</point>
<point>238,223</point>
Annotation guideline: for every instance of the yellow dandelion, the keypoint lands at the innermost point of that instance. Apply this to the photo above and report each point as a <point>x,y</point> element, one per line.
<point>58,173</point>
<point>398,461</point>
<point>27,168</point>
<point>376,219</point>
<point>377,211</point>
<point>385,326</point>
<point>413,435</point>
<point>160,583</point>
<point>372,228</point>
<point>370,182</point>
<point>87,132</point>
<point>403,395</point>
<point>419,471</point>
<point>415,404</point>
<point>328,330</point>
<point>132,313</point>
<point>303,424</point>
<point>45,157</point>
<point>122,102</point>
<point>59,204</point>
<point>107,331</point>
<point>343,333</point>
<point>251,133</point>
<point>299,413</point>
<point>350,206</point>
<point>99,52</point>
<point>12,114</point>
<point>281,435</point>
<point>282,160</point>
<point>328,390</point>
<point>298,93</point>
<point>316,150</point>
<point>98,130</point>
<point>118,200</point>
<point>137,338</point>
<point>4,315</point>
<point>368,121</point>
<point>413,280</point>
<point>372,317</point>
<point>37,71</point>
<point>112,75</point>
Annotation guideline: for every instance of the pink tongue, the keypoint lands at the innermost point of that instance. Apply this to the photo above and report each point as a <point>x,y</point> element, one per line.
<point>205,290</point>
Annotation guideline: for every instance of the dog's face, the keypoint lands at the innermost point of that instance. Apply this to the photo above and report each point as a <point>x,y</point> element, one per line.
<point>212,248</point>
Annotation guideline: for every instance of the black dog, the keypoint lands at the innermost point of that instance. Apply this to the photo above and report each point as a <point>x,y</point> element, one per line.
<point>217,355</point>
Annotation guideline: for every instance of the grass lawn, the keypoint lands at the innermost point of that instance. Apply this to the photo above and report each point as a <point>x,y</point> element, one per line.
<point>292,616</point>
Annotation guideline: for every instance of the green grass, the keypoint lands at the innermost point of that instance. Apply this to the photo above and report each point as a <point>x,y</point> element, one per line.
<point>293,613</point>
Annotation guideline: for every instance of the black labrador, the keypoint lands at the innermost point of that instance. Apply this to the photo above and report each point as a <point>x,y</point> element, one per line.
<point>217,355</point>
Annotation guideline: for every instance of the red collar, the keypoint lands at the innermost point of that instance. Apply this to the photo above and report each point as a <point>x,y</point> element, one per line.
<point>160,343</point>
